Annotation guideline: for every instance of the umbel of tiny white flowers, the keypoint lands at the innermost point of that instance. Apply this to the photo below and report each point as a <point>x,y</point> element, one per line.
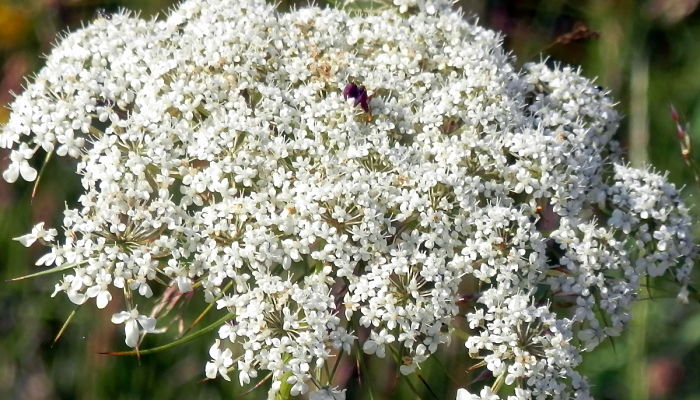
<point>227,149</point>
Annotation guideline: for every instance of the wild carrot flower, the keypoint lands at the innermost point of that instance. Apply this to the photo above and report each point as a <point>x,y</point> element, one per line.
<point>217,154</point>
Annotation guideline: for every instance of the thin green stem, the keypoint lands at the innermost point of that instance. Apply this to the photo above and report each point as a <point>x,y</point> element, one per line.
<point>335,367</point>
<point>206,310</point>
<point>498,383</point>
<point>41,173</point>
<point>64,326</point>
<point>362,365</point>
<point>55,269</point>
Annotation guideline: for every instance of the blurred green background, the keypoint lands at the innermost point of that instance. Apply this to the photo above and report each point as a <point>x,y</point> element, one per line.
<point>646,52</point>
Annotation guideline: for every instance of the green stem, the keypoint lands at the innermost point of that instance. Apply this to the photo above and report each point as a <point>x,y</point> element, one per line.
<point>57,268</point>
<point>41,173</point>
<point>64,326</point>
<point>362,365</point>
<point>335,367</point>
<point>207,309</point>
<point>637,385</point>
<point>498,384</point>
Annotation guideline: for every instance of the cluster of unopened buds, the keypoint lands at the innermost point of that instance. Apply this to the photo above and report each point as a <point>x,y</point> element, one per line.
<point>339,183</point>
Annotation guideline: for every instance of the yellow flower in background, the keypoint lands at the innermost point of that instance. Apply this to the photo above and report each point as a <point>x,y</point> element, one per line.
<point>14,24</point>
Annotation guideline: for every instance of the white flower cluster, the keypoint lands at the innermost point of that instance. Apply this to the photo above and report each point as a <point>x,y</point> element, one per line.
<point>324,175</point>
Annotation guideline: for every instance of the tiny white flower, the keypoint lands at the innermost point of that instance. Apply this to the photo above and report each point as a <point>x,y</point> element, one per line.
<point>134,325</point>
<point>19,165</point>
<point>38,233</point>
<point>221,361</point>
<point>184,284</point>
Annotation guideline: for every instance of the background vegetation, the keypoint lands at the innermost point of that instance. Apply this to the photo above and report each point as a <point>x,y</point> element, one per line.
<point>646,52</point>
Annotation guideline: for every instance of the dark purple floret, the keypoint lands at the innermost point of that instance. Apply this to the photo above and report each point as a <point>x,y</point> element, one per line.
<point>351,90</point>
<point>359,93</point>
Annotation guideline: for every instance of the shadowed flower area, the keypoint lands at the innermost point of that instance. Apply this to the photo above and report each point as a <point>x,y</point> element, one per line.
<point>343,187</point>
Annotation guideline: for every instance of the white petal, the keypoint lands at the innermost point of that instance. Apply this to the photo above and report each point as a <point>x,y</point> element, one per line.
<point>227,331</point>
<point>7,140</point>
<point>148,324</point>
<point>224,373</point>
<point>184,284</point>
<point>214,350</point>
<point>77,298</point>
<point>145,290</point>
<point>47,146</point>
<point>103,299</point>
<point>132,333</point>
<point>28,173</point>
<point>26,240</point>
<point>49,235</point>
<point>227,356</point>
<point>120,317</point>
<point>76,283</point>
<point>463,394</point>
<point>244,377</point>
<point>47,259</point>
<point>210,370</point>
<point>11,173</point>
<point>369,347</point>
<point>93,291</point>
